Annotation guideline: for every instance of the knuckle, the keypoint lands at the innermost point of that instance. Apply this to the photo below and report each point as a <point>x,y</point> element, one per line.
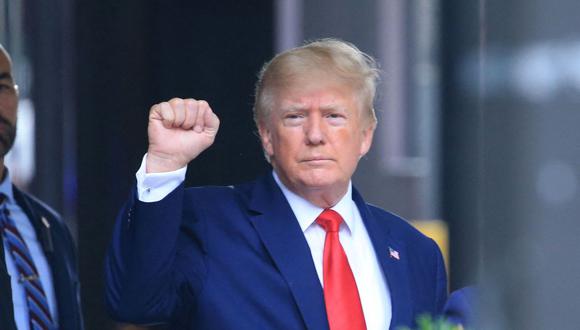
<point>176,101</point>
<point>189,102</point>
<point>165,107</point>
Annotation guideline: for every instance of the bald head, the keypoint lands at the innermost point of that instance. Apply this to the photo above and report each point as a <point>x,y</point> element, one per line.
<point>8,105</point>
<point>5,52</point>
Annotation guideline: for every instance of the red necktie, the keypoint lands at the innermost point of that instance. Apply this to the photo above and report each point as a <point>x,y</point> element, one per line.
<point>343,306</point>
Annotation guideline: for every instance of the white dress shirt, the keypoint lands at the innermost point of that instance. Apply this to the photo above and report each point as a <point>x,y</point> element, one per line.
<point>29,235</point>
<point>368,274</point>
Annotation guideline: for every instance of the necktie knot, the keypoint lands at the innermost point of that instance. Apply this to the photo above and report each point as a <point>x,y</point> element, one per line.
<point>330,220</point>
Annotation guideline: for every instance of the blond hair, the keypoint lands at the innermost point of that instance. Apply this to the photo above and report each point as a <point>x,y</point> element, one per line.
<point>336,57</point>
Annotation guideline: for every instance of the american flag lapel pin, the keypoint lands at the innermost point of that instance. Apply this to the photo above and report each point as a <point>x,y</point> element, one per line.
<point>394,253</point>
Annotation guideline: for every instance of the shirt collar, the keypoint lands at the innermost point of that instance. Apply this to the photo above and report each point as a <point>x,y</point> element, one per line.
<point>306,212</point>
<point>6,187</point>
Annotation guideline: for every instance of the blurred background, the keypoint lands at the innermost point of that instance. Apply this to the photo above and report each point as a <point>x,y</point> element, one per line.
<point>478,140</point>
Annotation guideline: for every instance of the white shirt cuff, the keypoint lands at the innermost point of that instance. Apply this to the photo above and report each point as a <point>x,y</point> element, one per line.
<point>153,187</point>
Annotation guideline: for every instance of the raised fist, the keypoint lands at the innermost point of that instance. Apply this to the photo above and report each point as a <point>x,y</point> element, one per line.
<point>179,130</point>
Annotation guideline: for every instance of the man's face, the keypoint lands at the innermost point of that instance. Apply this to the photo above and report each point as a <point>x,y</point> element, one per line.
<point>315,135</point>
<point>8,104</point>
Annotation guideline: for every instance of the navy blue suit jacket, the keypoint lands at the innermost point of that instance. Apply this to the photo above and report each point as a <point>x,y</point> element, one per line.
<point>236,258</point>
<point>461,306</point>
<point>60,252</point>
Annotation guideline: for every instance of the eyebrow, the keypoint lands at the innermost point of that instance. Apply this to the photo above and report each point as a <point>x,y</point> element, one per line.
<point>301,106</point>
<point>333,106</point>
<point>293,107</point>
<point>5,75</point>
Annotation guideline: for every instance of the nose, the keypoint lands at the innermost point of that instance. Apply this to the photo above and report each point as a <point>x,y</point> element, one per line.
<point>314,131</point>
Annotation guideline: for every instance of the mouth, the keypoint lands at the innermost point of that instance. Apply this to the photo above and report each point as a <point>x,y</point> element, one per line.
<point>316,161</point>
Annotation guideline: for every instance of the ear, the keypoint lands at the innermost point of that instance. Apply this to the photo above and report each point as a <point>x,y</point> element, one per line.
<point>266,138</point>
<point>367,139</point>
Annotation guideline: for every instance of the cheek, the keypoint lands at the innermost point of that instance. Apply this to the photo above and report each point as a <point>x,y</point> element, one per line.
<point>285,141</point>
<point>352,149</point>
<point>267,145</point>
<point>8,113</point>
<point>266,140</point>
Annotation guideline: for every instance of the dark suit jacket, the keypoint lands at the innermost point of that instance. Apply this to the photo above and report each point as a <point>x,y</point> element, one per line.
<point>461,306</point>
<point>236,258</point>
<point>59,250</point>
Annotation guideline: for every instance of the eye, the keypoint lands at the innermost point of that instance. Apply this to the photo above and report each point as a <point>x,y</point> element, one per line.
<point>336,118</point>
<point>292,116</point>
<point>293,119</point>
<point>5,87</point>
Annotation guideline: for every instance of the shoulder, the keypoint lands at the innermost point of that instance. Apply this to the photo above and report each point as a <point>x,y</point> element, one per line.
<point>237,191</point>
<point>399,230</point>
<point>39,209</point>
<point>36,204</point>
<point>389,222</point>
<point>397,225</point>
<point>39,206</point>
<point>217,194</point>
<point>461,306</point>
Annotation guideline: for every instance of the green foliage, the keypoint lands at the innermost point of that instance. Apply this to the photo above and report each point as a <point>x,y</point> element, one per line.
<point>425,322</point>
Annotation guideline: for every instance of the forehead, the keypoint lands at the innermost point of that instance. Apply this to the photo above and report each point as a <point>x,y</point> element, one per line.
<point>325,90</point>
<point>5,64</point>
<point>324,100</point>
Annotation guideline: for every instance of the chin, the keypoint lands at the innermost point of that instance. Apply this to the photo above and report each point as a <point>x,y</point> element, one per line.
<point>4,148</point>
<point>319,182</point>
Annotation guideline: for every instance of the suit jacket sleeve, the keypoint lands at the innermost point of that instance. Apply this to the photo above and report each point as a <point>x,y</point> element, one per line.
<point>147,278</point>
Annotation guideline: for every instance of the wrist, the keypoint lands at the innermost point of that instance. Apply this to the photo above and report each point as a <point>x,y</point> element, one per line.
<point>159,163</point>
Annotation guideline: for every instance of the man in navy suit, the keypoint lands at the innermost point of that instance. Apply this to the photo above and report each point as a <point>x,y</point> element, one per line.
<point>295,249</point>
<point>43,237</point>
<point>461,307</point>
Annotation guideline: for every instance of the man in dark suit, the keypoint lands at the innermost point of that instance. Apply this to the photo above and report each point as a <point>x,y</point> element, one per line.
<point>461,307</point>
<point>39,282</point>
<point>297,248</point>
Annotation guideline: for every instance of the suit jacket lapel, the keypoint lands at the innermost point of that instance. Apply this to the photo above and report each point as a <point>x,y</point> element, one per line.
<point>43,232</point>
<point>395,270</point>
<point>45,235</point>
<point>283,238</point>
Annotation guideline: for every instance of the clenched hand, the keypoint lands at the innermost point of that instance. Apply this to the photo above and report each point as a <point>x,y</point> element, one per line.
<point>179,130</point>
